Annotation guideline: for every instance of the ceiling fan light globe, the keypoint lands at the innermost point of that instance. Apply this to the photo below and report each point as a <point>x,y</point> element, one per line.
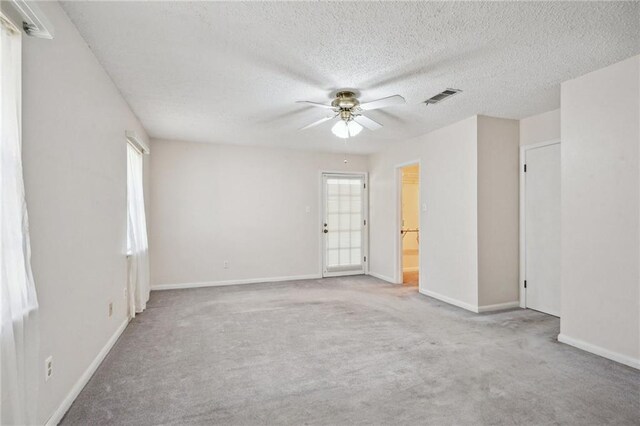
<point>340,129</point>
<point>354,128</point>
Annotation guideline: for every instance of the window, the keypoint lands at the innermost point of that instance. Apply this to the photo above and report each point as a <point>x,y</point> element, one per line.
<point>137,247</point>
<point>135,200</point>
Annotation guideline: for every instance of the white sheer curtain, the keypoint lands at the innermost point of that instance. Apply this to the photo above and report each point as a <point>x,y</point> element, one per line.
<point>19,305</point>
<point>137,246</point>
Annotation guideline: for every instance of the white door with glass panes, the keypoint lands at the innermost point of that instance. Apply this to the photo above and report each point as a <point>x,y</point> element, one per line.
<point>343,224</point>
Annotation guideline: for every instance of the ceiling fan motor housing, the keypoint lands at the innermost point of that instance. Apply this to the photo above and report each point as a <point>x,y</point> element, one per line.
<point>345,115</point>
<point>345,100</point>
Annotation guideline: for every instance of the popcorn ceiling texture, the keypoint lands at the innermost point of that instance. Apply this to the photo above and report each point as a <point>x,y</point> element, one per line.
<point>231,72</point>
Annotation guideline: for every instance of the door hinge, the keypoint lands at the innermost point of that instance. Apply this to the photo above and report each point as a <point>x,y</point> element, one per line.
<point>365,186</point>
<point>525,283</point>
<point>365,222</point>
<point>365,258</point>
<point>525,168</point>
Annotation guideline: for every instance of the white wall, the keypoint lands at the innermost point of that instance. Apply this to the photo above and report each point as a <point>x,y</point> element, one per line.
<point>601,211</point>
<point>543,127</point>
<point>383,199</point>
<point>247,205</point>
<point>498,207</point>
<point>449,243</point>
<point>468,245</point>
<point>74,153</point>
<point>448,229</point>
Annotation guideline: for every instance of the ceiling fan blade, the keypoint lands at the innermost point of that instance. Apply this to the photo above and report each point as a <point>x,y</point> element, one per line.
<point>315,104</point>
<point>367,122</point>
<point>383,103</point>
<point>322,120</point>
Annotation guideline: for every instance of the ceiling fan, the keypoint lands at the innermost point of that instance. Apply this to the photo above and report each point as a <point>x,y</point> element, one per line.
<point>348,109</point>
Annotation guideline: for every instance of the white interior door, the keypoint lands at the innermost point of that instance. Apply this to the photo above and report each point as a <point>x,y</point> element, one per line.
<point>343,224</point>
<point>542,229</point>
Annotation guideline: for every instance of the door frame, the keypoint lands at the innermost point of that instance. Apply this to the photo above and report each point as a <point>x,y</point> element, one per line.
<point>523,219</point>
<point>365,217</point>
<point>398,278</point>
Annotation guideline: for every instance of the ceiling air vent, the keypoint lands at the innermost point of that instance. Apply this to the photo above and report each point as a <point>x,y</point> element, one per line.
<point>442,96</point>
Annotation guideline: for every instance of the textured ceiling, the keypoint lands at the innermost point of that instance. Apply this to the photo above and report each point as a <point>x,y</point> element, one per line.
<point>231,72</point>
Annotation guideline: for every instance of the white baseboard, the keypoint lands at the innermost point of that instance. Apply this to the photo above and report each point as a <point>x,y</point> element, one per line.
<point>499,306</point>
<point>382,277</point>
<point>411,269</point>
<point>86,376</point>
<point>449,300</point>
<point>233,282</point>
<point>606,353</point>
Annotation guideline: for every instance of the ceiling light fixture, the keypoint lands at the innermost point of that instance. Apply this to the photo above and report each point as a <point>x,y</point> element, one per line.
<point>346,129</point>
<point>349,111</point>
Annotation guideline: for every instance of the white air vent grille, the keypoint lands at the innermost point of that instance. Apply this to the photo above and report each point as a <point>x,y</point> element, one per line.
<point>442,96</point>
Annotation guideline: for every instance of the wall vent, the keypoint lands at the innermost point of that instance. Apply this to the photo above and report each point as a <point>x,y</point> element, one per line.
<point>446,94</point>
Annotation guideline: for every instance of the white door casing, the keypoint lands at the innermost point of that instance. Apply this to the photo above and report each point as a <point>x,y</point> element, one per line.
<point>398,266</point>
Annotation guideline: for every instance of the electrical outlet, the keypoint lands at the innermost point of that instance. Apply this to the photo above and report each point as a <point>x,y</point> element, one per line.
<point>110,309</point>
<point>225,264</point>
<point>126,294</point>
<point>48,368</point>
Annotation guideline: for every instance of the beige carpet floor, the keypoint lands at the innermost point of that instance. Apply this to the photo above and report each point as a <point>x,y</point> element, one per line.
<point>345,351</point>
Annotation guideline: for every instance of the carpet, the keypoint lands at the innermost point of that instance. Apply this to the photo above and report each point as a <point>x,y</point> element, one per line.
<point>352,350</point>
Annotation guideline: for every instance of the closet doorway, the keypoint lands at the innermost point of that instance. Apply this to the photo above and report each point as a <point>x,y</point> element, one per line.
<point>540,227</point>
<point>409,233</point>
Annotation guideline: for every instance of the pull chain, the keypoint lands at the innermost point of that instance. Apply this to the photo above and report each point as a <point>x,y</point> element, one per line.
<point>345,152</point>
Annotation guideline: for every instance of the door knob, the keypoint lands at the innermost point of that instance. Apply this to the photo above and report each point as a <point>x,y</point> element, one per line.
<point>325,231</point>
